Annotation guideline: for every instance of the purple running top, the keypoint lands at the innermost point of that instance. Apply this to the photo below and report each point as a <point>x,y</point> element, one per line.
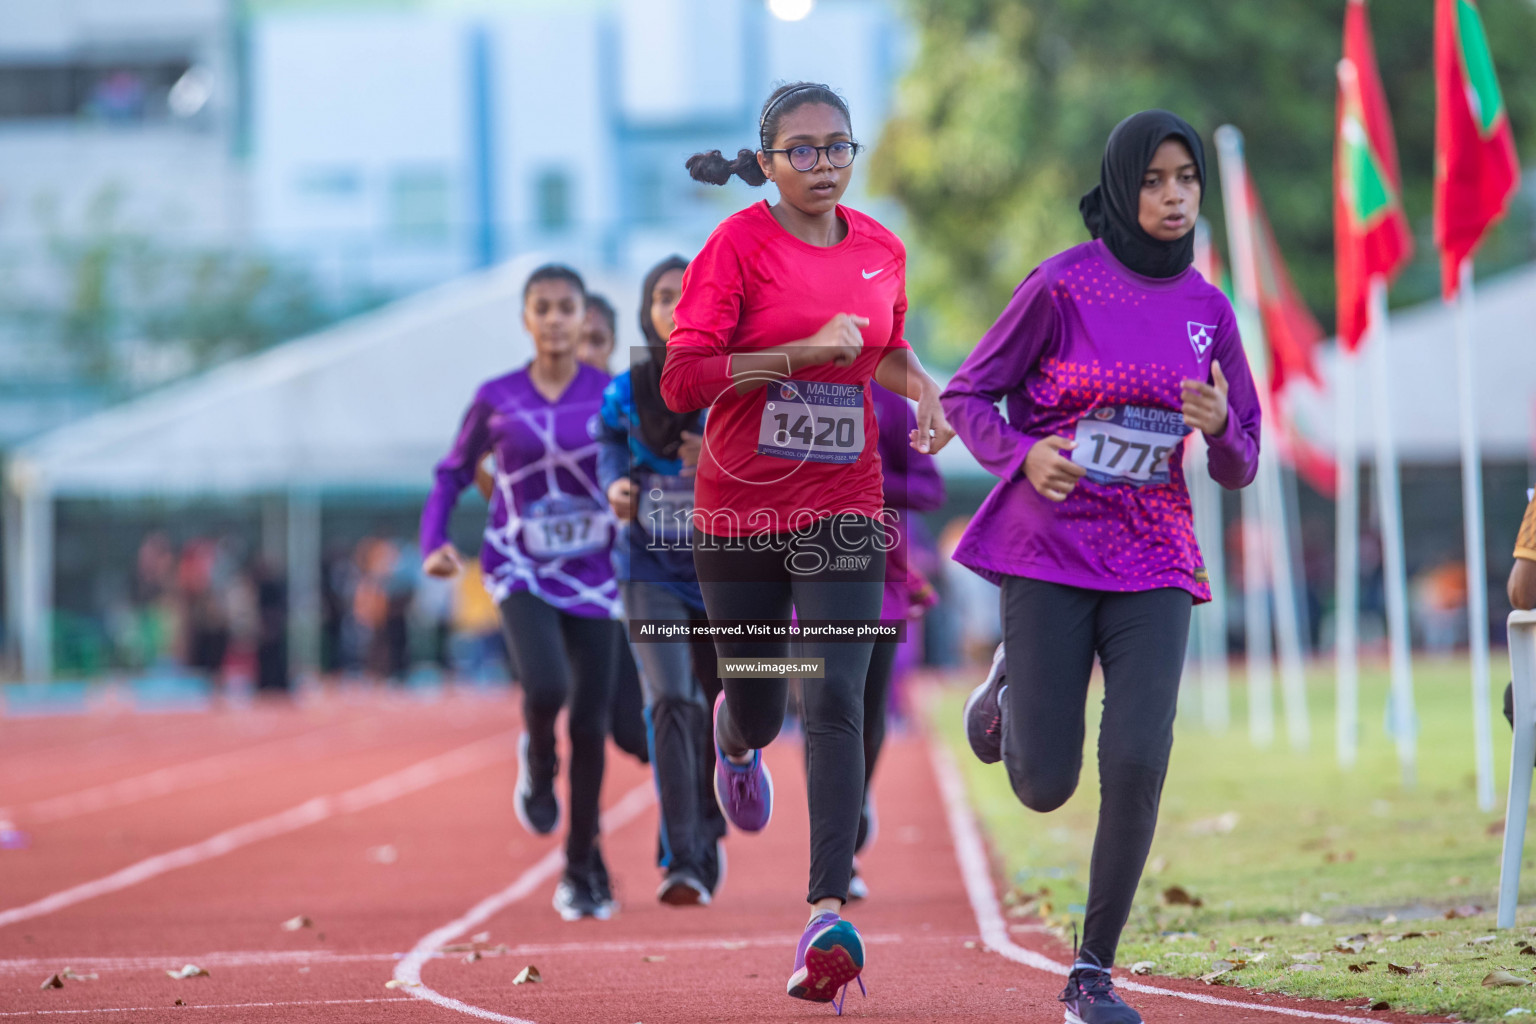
<point>1089,350</point>
<point>549,529</point>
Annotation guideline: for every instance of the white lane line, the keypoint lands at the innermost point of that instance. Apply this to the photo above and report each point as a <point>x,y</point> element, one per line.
<point>320,958</point>
<point>971,853</point>
<point>173,778</point>
<point>409,969</point>
<point>419,776</point>
<point>210,1006</point>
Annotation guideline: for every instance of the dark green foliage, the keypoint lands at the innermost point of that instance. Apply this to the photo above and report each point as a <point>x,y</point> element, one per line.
<point>1000,125</point>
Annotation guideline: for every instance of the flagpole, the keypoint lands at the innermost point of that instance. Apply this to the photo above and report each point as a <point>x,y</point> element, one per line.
<point>1270,531</point>
<point>1404,717</point>
<point>1211,636</point>
<point>1346,616</point>
<point>1477,569</point>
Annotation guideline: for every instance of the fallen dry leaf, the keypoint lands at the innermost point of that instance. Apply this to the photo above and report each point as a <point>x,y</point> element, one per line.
<point>653,959</point>
<point>1465,910</point>
<point>69,974</point>
<point>1400,969</point>
<point>1358,968</point>
<point>528,975</point>
<point>54,981</point>
<point>293,924</point>
<point>1178,896</point>
<point>1503,979</point>
<point>397,983</point>
<point>189,971</point>
<point>1383,1005</point>
<point>180,1002</point>
<point>1483,940</point>
<point>970,944</point>
<point>1219,968</point>
<point>1143,966</point>
<point>1309,920</point>
<point>1307,957</point>
<point>1352,948</point>
<point>472,956</point>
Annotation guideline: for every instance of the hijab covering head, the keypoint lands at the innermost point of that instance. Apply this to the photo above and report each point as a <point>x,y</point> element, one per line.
<point>1111,209</point>
<point>659,427</point>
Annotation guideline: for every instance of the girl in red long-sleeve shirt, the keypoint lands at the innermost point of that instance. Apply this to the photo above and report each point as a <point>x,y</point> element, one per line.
<point>787,314</point>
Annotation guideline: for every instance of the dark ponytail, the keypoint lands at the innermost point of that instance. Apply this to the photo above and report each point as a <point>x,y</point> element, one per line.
<point>714,169</point>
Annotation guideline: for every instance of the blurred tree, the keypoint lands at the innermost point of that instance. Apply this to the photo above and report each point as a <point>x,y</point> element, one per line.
<point>112,295</point>
<point>1000,125</point>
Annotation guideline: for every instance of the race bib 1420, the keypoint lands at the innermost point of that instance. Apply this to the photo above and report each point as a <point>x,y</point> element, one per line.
<point>812,421</point>
<point>1128,444</point>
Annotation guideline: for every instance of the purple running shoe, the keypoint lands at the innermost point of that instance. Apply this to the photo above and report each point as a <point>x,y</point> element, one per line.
<point>831,955</point>
<point>744,791</point>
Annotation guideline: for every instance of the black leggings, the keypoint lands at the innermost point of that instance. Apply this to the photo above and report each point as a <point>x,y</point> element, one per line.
<point>877,693</point>
<point>740,581</point>
<point>1051,634</point>
<point>559,655</point>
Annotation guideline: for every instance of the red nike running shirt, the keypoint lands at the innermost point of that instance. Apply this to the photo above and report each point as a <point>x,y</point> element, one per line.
<point>775,458</point>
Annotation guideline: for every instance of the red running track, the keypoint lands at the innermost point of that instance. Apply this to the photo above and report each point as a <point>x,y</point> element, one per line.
<point>162,841</point>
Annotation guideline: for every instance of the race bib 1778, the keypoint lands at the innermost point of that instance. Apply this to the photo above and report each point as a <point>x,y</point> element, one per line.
<point>1128,444</point>
<point>812,421</point>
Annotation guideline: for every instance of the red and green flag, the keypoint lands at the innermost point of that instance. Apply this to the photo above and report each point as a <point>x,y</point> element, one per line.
<point>1292,336</point>
<point>1476,170</point>
<point>1371,234</point>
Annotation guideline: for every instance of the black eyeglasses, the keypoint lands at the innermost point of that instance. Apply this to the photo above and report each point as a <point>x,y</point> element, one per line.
<point>805,158</point>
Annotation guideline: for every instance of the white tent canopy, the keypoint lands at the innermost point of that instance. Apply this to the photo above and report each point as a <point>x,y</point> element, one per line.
<point>372,402</point>
<point>1422,354</point>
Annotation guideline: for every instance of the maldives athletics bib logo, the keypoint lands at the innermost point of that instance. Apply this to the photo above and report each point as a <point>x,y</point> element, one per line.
<point>1201,336</point>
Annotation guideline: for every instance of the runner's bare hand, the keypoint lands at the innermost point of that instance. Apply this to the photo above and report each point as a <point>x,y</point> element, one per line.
<point>443,563</point>
<point>622,495</point>
<point>839,341</point>
<point>1052,473</point>
<point>933,430</point>
<point>1205,405</point>
<point>689,451</point>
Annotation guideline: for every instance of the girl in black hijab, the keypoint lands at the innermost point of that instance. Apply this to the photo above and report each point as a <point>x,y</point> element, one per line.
<point>1107,357</point>
<point>646,465</point>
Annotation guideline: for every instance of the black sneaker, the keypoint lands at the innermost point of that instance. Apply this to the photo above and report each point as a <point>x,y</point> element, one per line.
<point>576,898</point>
<point>602,884</point>
<point>983,713</point>
<point>683,888</point>
<point>535,802</point>
<point>1090,997</point>
<point>712,870</point>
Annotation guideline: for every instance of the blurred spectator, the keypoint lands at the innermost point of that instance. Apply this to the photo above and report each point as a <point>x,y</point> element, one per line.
<point>204,617</point>
<point>1439,596</point>
<point>271,630</point>
<point>480,651</point>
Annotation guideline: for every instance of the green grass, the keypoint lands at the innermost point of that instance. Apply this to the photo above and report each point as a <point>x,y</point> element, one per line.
<point>1262,836</point>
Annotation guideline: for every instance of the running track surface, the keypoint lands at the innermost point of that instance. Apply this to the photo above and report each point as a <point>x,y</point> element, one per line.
<point>159,841</point>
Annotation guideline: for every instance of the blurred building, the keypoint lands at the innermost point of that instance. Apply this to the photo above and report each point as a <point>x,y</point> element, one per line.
<point>405,143</point>
<point>111,114</point>
<point>356,150</point>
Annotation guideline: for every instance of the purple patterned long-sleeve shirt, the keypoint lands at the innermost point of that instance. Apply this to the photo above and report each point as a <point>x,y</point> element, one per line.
<point>549,529</point>
<point>1091,351</point>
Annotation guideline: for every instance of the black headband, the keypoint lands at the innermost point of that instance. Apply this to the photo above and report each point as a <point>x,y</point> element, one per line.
<point>762,124</point>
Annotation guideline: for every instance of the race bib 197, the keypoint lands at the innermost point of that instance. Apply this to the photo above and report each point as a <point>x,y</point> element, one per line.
<point>1128,444</point>
<point>666,507</point>
<point>561,526</point>
<point>812,421</point>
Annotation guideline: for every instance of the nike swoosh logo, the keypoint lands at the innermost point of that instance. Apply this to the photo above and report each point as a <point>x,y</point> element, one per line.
<point>871,273</point>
